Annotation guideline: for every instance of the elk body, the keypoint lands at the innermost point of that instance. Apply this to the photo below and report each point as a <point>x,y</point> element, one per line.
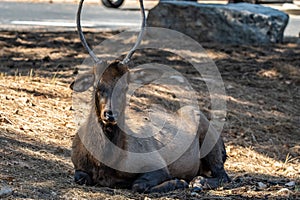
<point>104,120</point>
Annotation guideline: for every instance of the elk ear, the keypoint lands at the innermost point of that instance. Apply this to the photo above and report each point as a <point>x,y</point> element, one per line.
<point>83,82</point>
<point>145,75</point>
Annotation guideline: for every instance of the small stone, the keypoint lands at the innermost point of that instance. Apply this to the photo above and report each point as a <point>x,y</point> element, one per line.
<point>69,125</point>
<point>5,192</point>
<point>290,184</point>
<point>53,193</point>
<point>24,128</point>
<point>261,102</point>
<point>261,185</point>
<point>197,182</point>
<point>288,82</point>
<point>24,100</point>
<point>284,191</point>
<point>194,194</point>
<point>229,87</point>
<point>197,189</point>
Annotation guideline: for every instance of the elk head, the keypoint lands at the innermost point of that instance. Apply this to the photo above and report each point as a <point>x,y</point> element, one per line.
<point>109,89</point>
<point>110,80</point>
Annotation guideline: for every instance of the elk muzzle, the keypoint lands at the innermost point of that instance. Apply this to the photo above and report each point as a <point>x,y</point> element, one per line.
<point>109,117</point>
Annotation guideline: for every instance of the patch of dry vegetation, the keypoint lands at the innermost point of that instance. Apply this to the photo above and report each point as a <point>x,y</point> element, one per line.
<point>36,118</point>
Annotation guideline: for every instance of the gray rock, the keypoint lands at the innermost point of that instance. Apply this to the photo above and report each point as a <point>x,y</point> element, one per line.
<point>261,185</point>
<point>240,23</point>
<point>290,184</point>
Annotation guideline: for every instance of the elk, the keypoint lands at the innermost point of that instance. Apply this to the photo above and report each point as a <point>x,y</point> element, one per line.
<point>103,122</point>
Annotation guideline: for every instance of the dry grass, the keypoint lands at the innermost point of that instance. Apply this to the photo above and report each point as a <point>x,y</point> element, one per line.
<point>36,118</point>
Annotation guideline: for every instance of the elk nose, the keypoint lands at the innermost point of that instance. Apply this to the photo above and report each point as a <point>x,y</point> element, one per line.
<point>109,115</point>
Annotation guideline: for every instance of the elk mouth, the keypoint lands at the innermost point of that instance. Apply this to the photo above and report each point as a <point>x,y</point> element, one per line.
<point>109,118</point>
<point>109,122</point>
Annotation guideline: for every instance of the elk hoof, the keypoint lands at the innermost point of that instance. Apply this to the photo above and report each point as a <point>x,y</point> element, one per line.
<point>82,178</point>
<point>169,186</point>
<point>140,187</point>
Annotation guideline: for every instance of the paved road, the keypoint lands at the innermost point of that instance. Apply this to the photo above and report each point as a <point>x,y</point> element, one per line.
<point>63,15</point>
<point>95,16</point>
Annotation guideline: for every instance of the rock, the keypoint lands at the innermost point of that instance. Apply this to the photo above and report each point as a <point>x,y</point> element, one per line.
<point>284,192</point>
<point>5,192</point>
<point>290,184</point>
<point>197,189</point>
<point>194,194</point>
<point>240,23</point>
<point>261,185</point>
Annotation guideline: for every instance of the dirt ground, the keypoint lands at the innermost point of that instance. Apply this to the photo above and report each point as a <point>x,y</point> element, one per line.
<point>36,117</point>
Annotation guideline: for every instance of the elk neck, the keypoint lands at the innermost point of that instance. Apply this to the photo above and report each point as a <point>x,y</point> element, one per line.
<point>112,131</point>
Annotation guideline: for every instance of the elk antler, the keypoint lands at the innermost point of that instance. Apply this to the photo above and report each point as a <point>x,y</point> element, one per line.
<point>140,37</point>
<point>130,53</point>
<point>82,38</point>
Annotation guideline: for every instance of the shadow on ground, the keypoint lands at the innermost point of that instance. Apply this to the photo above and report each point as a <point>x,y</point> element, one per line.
<point>36,128</point>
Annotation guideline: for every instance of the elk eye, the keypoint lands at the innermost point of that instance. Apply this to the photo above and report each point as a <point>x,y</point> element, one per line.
<point>101,88</point>
<point>103,94</point>
<point>102,91</point>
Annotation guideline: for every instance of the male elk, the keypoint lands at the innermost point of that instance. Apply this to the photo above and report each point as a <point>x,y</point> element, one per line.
<point>103,121</point>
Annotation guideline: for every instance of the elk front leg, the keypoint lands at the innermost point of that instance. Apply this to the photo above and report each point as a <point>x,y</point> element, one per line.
<point>213,162</point>
<point>169,185</point>
<point>82,163</point>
